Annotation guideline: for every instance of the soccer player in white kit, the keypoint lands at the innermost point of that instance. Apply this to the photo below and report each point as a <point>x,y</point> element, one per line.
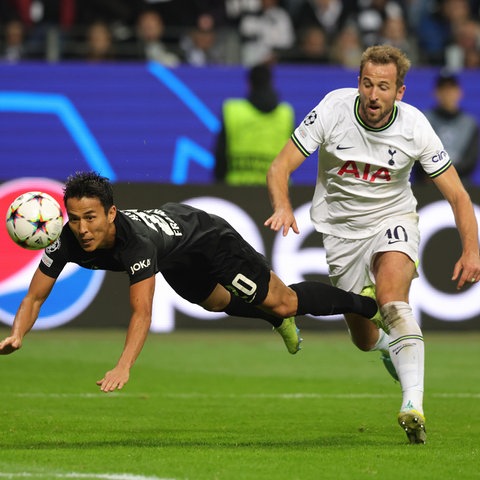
<point>368,141</point>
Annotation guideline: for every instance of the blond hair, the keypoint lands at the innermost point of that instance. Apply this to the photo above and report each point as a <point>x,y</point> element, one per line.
<point>384,55</point>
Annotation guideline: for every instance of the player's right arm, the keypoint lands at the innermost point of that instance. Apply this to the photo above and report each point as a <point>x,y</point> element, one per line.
<point>278,178</point>
<point>27,313</point>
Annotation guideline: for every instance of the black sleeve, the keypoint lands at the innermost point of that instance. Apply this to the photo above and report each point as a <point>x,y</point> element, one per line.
<point>54,258</point>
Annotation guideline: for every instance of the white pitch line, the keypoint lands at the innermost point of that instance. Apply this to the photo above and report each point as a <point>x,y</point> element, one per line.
<point>74,475</point>
<point>186,395</point>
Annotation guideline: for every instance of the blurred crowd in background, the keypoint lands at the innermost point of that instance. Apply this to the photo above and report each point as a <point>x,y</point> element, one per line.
<point>239,32</point>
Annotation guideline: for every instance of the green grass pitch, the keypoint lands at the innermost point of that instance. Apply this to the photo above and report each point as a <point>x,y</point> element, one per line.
<point>232,406</point>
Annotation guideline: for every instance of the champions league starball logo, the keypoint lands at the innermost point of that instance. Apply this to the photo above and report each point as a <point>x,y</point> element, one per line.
<point>75,288</point>
<point>310,118</point>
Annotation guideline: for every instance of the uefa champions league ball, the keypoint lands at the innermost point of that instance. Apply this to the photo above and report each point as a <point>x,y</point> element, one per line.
<point>34,220</point>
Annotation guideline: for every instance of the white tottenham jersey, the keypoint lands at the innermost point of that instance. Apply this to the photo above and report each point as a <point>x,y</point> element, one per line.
<point>364,172</point>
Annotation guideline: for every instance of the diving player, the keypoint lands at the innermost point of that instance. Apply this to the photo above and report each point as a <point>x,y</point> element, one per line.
<point>200,255</point>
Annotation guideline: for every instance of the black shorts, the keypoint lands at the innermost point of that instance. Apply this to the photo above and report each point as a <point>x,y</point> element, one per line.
<point>233,263</point>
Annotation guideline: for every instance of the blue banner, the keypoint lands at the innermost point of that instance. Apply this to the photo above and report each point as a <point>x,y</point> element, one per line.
<point>147,123</point>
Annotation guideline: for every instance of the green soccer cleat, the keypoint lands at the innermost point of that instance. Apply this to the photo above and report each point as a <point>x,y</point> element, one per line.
<point>290,334</point>
<point>369,291</point>
<point>387,361</point>
<point>413,423</point>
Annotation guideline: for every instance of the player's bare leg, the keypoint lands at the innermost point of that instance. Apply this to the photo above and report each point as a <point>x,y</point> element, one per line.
<point>368,337</point>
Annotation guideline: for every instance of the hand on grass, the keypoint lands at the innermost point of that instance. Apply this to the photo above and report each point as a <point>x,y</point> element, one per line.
<point>114,379</point>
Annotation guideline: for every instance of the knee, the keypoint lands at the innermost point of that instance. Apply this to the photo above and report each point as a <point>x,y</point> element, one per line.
<point>214,305</point>
<point>284,310</point>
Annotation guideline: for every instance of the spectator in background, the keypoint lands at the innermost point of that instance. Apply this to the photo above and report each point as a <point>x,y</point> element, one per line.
<point>200,46</point>
<point>395,32</point>
<point>179,15</point>
<point>347,47</point>
<point>253,131</point>
<point>150,46</point>
<point>438,20</point>
<point>371,15</point>
<point>458,131</point>
<point>266,33</point>
<point>99,45</point>
<point>109,11</point>
<point>48,24</point>
<point>464,51</point>
<point>312,47</point>
<point>13,44</point>
<point>237,9</point>
<point>119,15</point>
<point>329,15</point>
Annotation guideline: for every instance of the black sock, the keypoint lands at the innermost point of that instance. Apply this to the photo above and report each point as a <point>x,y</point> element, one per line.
<point>238,308</point>
<point>317,298</point>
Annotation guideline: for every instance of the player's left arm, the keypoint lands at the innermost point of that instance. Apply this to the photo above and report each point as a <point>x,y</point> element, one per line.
<point>141,300</point>
<point>467,267</point>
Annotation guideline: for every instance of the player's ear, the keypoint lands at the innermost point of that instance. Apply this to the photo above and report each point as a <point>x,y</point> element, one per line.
<point>112,213</point>
<point>400,93</point>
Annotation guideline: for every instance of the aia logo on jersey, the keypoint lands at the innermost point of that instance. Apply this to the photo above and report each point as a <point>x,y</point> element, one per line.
<point>365,171</point>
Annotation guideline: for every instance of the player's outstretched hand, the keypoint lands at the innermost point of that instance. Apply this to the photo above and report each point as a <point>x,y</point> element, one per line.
<point>9,345</point>
<point>114,379</point>
<point>467,270</point>
<point>282,219</point>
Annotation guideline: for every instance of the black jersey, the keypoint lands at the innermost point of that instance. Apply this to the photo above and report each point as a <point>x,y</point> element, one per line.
<point>194,250</point>
<point>146,242</point>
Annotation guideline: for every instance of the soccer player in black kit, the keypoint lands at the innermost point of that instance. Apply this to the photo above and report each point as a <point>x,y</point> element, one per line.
<point>203,258</point>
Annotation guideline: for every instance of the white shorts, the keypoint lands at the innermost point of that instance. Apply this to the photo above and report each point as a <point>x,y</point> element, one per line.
<point>350,261</point>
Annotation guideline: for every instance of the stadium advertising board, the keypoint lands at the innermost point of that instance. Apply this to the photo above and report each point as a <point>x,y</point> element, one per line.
<point>146,123</point>
<point>84,298</point>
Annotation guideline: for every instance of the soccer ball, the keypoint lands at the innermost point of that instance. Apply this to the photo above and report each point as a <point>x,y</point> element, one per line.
<point>34,220</point>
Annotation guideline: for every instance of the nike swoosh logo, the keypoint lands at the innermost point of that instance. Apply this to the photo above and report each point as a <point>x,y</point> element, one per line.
<point>339,147</point>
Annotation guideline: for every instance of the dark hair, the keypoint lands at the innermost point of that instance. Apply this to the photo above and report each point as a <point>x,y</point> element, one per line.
<point>89,185</point>
<point>446,78</point>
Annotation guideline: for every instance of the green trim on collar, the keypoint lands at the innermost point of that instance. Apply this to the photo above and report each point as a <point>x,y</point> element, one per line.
<point>393,117</point>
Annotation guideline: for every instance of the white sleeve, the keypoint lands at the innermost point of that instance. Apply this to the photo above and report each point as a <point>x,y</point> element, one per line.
<point>433,157</point>
<point>310,134</point>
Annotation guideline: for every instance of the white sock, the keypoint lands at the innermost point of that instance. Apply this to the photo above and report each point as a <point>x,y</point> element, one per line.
<point>406,351</point>
<point>382,342</point>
